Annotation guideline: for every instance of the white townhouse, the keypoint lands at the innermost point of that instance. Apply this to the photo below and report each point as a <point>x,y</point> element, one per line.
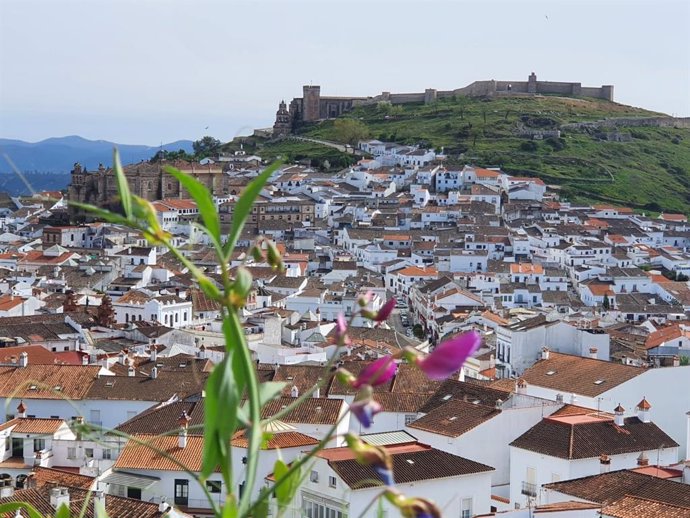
<point>602,385</point>
<point>520,344</point>
<point>574,445</point>
<point>144,305</point>
<point>333,487</point>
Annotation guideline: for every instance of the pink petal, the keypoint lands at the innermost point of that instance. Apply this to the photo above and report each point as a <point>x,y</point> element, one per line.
<point>365,410</point>
<point>385,310</point>
<point>449,356</point>
<point>376,373</point>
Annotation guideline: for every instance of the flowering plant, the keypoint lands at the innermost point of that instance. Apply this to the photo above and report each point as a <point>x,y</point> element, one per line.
<point>235,379</point>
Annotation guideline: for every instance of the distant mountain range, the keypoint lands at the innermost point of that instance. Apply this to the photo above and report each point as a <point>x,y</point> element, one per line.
<point>58,155</point>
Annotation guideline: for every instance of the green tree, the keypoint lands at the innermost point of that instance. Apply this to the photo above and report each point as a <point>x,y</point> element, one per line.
<point>206,146</point>
<point>350,131</point>
<point>607,304</point>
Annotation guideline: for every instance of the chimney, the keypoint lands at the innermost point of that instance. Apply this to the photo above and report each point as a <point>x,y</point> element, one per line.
<point>99,501</point>
<point>573,399</point>
<point>154,373</point>
<point>643,408</point>
<point>593,353</point>
<point>559,398</point>
<point>499,404</point>
<point>604,463</point>
<point>21,410</point>
<point>317,392</point>
<point>294,391</point>
<point>618,415</point>
<point>183,421</point>
<point>676,361</point>
<point>59,496</point>
<point>642,460</point>
<point>164,506</point>
<point>544,353</point>
<point>131,372</point>
<point>521,386</point>
<point>84,359</point>
<point>121,358</point>
<point>23,359</point>
<point>154,353</point>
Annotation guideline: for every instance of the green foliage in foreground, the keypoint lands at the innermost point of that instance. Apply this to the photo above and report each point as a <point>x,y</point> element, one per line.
<point>649,173</point>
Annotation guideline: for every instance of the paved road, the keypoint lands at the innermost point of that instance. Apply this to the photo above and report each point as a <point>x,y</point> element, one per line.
<point>396,323</point>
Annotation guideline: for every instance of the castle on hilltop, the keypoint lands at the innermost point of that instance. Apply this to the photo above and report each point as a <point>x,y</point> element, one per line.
<point>313,107</point>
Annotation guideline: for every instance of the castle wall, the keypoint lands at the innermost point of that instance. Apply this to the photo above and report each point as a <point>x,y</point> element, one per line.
<point>406,98</point>
<point>311,103</point>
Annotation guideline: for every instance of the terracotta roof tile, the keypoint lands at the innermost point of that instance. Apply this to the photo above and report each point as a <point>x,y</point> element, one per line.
<point>145,456</point>
<point>588,436</point>
<point>576,374</point>
<point>279,440</point>
<point>42,476</point>
<point>608,488</point>
<point>454,418</point>
<point>635,507</point>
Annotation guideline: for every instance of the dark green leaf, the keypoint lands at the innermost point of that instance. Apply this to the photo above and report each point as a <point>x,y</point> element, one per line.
<point>122,185</point>
<point>11,507</point>
<point>261,510</point>
<point>244,206</point>
<point>285,489</point>
<point>203,199</point>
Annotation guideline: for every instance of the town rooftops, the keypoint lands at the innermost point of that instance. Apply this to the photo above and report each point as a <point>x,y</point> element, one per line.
<point>144,454</point>
<point>455,417</point>
<point>635,507</point>
<point>579,375</point>
<point>588,435</point>
<point>608,488</point>
<point>33,425</point>
<point>411,463</point>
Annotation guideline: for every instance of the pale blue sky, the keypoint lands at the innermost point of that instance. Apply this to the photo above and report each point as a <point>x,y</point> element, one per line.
<point>146,71</point>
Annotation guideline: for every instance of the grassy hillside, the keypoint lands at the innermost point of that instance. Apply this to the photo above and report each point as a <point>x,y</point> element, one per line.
<point>650,172</point>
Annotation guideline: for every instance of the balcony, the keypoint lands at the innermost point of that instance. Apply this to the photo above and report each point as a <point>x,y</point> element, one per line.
<point>529,489</point>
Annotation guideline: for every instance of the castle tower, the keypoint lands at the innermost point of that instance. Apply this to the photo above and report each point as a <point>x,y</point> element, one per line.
<point>532,83</point>
<point>283,123</point>
<point>311,103</point>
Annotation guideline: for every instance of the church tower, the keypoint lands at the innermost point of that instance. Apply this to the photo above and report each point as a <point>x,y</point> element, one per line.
<point>283,123</point>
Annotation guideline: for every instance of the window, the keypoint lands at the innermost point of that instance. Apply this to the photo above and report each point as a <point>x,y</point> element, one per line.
<point>332,482</point>
<point>88,453</point>
<point>181,491</point>
<point>466,508</point>
<point>409,418</point>
<point>314,476</point>
<point>214,486</point>
<point>317,510</point>
<point>134,492</point>
<point>107,453</point>
<point>39,444</point>
<point>71,452</point>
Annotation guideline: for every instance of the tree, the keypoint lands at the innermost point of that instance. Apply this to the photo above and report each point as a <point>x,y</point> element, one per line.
<point>607,304</point>
<point>350,131</point>
<point>105,316</point>
<point>206,146</point>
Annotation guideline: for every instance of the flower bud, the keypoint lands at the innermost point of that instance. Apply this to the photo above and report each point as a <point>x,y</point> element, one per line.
<point>275,261</point>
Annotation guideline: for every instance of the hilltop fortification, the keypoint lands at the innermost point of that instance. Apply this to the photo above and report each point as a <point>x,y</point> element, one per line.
<point>312,106</point>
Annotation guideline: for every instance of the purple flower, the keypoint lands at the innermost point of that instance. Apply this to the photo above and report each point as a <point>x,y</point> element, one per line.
<point>411,507</point>
<point>376,373</point>
<point>375,456</point>
<point>341,330</point>
<point>365,410</point>
<point>385,311</point>
<point>365,299</point>
<point>448,357</point>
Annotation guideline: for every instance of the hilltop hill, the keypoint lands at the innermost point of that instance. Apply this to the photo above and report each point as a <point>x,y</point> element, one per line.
<point>622,162</point>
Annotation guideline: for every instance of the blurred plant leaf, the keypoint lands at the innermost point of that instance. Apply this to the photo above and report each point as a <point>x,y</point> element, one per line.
<point>106,215</point>
<point>268,390</point>
<point>203,199</point>
<point>12,507</point>
<point>122,185</point>
<point>287,488</point>
<point>244,206</point>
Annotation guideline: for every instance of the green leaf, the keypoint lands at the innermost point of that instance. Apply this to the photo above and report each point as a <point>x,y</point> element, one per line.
<point>203,199</point>
<point>243,282</point>
<point>261,510</point>
<point>11,507</point>
<point>62,512</point>
<point>244,206</point>
<point>106,215</point>
<point>122,185</point>
<point>285,491</point>
<point>269,390</point>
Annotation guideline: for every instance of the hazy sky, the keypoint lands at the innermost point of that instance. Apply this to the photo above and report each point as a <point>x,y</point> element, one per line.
<point>146,71</point>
